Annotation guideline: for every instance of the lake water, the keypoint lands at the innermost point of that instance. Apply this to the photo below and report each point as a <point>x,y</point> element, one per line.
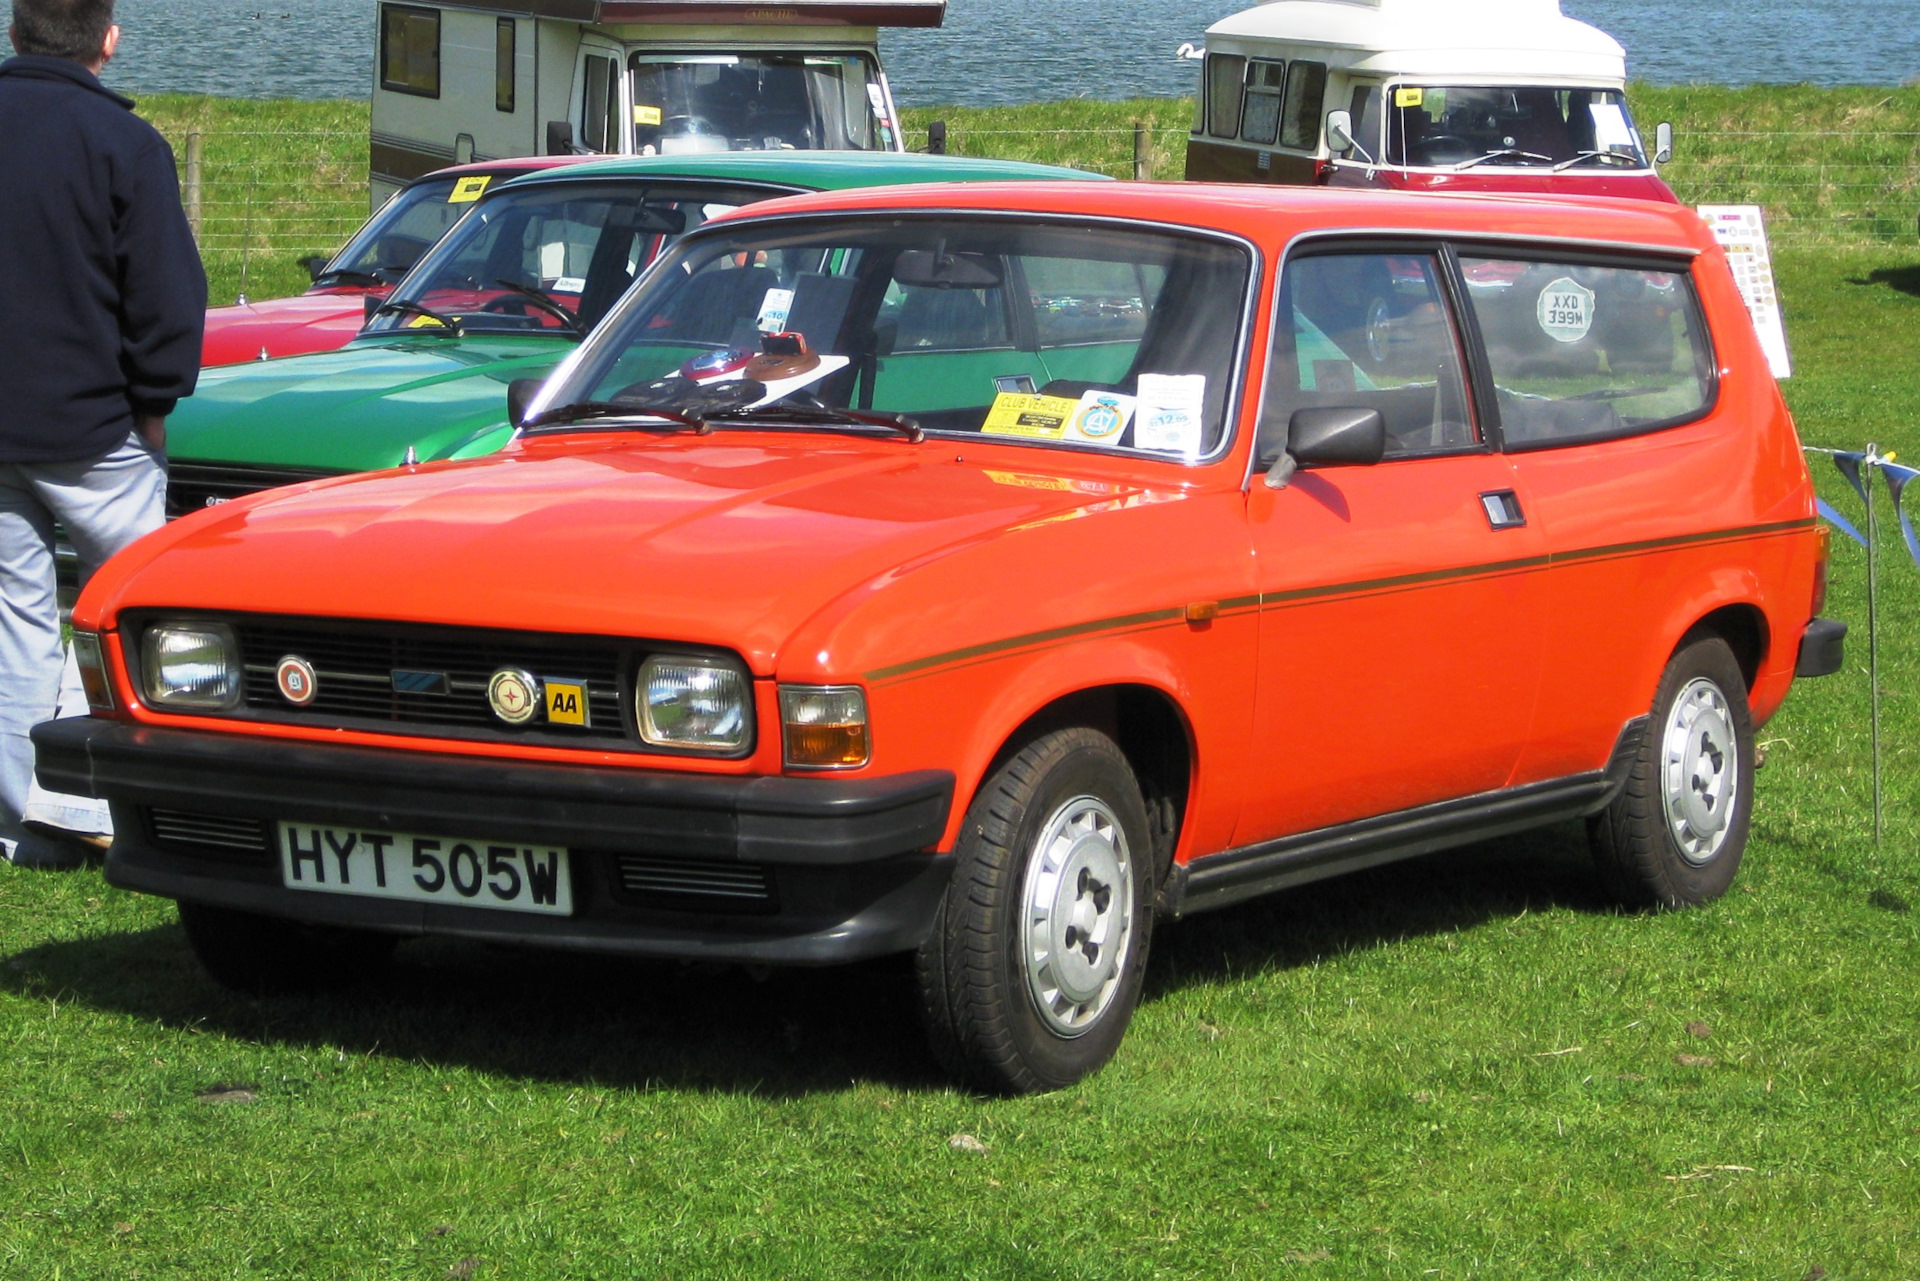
<point>993,52</point>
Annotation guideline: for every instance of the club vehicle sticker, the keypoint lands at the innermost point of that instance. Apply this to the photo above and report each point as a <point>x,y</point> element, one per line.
<point>1170,413</point>
<point>643,115</point>
<point>1565,310</point>
<point>1100,418</point>
<point>1035,417</point>
<point>468,190</point>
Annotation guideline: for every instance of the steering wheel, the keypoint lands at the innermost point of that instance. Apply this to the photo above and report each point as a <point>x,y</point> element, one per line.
<point>1425,147</point>
<point>684,126</point>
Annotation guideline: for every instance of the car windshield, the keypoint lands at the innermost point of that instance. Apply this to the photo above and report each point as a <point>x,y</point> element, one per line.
<point>553,257</point>
<point>408,225</point>
<point>1048,332</point>
<point>1463,127</point>
<point>757,102</point>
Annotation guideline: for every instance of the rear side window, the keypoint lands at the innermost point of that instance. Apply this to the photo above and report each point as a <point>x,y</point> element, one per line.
<point>1369,331</point>
<point>1306,90</point>
<point>410,50</point>
<point>1581,352</point>
<point>1226,78</point>
<point>1265,80</point>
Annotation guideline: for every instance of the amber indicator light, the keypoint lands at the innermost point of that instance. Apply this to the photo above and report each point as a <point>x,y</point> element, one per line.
<point>824,726</point>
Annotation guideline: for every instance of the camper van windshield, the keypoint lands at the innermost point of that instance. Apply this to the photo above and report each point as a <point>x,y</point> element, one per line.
<point>756,102</point>
<point>1465,127</point>
<point>550,258</point>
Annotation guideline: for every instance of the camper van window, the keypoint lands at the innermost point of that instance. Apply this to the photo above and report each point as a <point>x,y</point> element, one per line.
<point>410,50</point>
<point>1466,126</point>
<point>1306,92</point>
<point>1366,123</point>
<point>1265,80</point>
<point>505,33</point>
<point>1226,78</point>
<point>755,102</point>
<point>600,106</point>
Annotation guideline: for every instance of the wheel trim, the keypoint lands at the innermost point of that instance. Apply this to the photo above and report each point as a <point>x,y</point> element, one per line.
<point>1076,915</point>
<point>1379,330</point>
<point>1699,770</point>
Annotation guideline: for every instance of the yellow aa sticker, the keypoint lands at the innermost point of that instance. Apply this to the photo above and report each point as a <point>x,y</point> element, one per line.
<point>468,190</point>
<point>1409,97</point>
<point>646,115</point>
<point>567,703</point>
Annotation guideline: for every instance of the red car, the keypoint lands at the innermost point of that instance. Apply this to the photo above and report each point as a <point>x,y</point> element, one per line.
<point>329,315</point>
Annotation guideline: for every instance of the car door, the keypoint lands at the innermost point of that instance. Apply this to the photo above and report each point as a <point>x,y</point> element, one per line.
<point>1399,628</point>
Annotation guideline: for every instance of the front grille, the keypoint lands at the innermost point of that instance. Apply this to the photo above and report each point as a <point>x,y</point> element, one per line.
<point>192,486</point>
<point>210,835</point>
<point>355,668</point>
<point>694,885</point>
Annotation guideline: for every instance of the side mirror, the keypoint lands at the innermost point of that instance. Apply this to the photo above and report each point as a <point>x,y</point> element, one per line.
<point>315,264</point>
<point>937,138</point>
<point>559,138</point>
<point>463,149</point>
<point>520,394</point>
<point>1340,131</point>
<point>1662,143</point>
<point>1334,436</point>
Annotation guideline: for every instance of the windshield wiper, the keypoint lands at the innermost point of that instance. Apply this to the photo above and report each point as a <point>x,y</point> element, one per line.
<point>548,303</point>
<point>1495,155</point>
<point>407,307</point>
<point>585,410</point>
<point>347,276</point>
<point>1585,156</point>
<point>829,415</point>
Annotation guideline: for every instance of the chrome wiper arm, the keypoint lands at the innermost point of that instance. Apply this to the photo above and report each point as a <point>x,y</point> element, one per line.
<point>1495,155</point>
<point>1585,156</point>
<point>830,415</point>
<point>407,307</point>
<point>585,410</point>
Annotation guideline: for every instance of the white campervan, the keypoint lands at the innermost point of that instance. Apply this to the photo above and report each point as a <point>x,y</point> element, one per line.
<point>487,79</point>
<point>1429,95</point>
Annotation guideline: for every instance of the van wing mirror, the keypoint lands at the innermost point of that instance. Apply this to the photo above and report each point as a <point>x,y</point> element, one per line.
<point>520,394</point>
<point>560,138</point>
<point>1330,436</point>
<point>1339,131</point>
<point>1662,143</point>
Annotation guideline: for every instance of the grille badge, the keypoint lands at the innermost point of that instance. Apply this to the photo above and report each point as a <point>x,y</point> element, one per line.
<point>405,682</point>
<point>298,685</point>
<point>514,695</point>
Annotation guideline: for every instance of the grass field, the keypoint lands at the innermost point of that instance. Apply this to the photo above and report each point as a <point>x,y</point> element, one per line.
<point>1460,1067</point>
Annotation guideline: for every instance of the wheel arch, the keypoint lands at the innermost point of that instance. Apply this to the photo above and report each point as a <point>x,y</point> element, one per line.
<point>1744,628</point>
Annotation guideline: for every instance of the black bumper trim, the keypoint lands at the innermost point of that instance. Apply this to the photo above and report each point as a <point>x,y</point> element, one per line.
<point>1823,648</point>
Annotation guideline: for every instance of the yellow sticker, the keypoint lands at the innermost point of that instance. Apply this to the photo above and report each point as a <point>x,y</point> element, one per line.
<point>1409,97</point>
<point>425,322</point>
<point>646,115</point>
<point>1039,417</point>
<point>567,702</point>
<point>468,190</point>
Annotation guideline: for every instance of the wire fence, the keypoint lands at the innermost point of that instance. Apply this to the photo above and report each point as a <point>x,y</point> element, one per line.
<point>261,200</point>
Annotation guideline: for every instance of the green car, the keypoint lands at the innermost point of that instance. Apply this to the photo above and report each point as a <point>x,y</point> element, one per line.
<point>507,294</point>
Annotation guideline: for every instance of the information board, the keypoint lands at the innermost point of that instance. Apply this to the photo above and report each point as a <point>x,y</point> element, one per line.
<point>1742,232</point>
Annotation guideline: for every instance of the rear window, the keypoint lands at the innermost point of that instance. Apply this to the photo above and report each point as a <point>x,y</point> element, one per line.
<point>1580,352</point>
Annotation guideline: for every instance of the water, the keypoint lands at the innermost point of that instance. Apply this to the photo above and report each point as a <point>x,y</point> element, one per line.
<point>994,52</point>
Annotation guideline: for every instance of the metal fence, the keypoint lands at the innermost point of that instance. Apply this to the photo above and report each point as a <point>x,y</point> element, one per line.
<point>261,200</point>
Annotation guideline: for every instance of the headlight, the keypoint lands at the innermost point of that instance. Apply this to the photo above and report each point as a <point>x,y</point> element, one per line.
<point>191,665</point>
<point>692,702</point>
<point>91,661</point>
<point>824,726</point>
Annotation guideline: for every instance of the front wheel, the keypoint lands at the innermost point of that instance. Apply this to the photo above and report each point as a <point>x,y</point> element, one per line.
<point>1675,834</point>
<point>1034,965</point>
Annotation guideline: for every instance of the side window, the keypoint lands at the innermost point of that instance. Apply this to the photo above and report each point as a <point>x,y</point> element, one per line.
<point>410,50</point>
<point>1306,92</point>
<point>1226,78</point>
<point>1366,123</point>
<point>1265,80</point>
<point>1370,331</point>
<point>505,37</point>
<point>1581,352</point>
<point>600,105</point>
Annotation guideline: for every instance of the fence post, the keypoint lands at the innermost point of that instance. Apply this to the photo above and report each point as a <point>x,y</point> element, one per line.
<point>193,182</point>
<point>1142,153</point>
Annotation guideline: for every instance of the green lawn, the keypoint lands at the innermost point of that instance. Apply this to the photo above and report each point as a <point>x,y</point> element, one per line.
<point>1464,1066</point>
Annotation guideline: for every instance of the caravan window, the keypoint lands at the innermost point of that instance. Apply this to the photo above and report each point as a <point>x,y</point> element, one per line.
<point>410,50</point>
<point>1306,91</point>
<point>1226,77</point>
<point>1265,81</point>
<point>600,105</point>
<point>756,102</point>
<point>505,33</point>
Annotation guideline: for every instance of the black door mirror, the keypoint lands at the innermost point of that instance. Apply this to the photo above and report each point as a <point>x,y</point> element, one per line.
<point>1330,436</point>
<point>560,138</point>
<point>520,394</point>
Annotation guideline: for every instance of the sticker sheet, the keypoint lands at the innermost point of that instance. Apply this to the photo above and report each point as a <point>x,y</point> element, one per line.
<point>1170,413</point>
<point>1742,232</point>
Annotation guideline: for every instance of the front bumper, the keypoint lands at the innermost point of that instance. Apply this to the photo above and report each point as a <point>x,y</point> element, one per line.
<point>845,862</point>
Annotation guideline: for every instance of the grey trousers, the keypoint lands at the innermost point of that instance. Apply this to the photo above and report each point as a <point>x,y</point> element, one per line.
<point>103,504</point>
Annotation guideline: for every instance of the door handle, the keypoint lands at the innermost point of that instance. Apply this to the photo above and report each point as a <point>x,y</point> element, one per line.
<point>1503,509</point>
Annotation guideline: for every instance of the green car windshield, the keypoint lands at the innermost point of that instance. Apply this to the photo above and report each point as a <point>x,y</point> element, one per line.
<point>1019,329</point>
<point>551,257</point>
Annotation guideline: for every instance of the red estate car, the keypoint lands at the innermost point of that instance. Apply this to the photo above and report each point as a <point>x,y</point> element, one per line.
<point>986,572</point>
<point>329,315</point>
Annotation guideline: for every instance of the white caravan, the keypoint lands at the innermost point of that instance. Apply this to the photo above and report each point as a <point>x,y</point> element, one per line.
<point>487,79</point>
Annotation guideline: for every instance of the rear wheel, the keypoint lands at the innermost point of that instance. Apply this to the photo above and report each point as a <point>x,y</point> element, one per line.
<point>265,955</point>
<point>1035,961</point>
<point>1675,834</point>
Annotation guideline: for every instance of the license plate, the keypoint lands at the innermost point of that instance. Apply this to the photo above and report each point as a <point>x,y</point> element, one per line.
<point>426,869</point>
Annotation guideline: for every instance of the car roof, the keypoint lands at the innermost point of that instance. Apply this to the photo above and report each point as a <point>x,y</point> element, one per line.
<point>815,170</point>
<point>515,165</point>
<point>1273,215</point>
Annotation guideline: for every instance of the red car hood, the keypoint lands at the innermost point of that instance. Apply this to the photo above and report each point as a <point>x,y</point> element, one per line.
<point>733,541</point>
<point>284,326</point>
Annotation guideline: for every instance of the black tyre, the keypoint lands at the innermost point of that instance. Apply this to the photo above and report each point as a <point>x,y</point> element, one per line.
<point>265,956</point>
<point>1675,834</point>
<point>1034,966</point>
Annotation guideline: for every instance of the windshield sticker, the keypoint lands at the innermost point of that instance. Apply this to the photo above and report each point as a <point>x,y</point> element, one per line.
<point>1100,418</point>
<point>1170,413</point>
<point>569,285</point>
<point>873,95</point>
<point>1610,129</point>
<point>1566,310</point>
<point>1035,417</point>
<point>646,115</point>
<point>468,190</point>
<point>773,311</point>
<point>1409,97</point>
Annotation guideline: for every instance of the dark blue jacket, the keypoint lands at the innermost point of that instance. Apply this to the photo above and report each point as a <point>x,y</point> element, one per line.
<point>102,297</point>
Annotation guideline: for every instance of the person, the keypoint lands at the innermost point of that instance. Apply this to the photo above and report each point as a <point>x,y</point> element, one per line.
<point>102,302</point>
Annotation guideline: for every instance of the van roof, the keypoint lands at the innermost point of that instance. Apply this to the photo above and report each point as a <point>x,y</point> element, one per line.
<point>1481,41</point>
<point>813,170</point>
